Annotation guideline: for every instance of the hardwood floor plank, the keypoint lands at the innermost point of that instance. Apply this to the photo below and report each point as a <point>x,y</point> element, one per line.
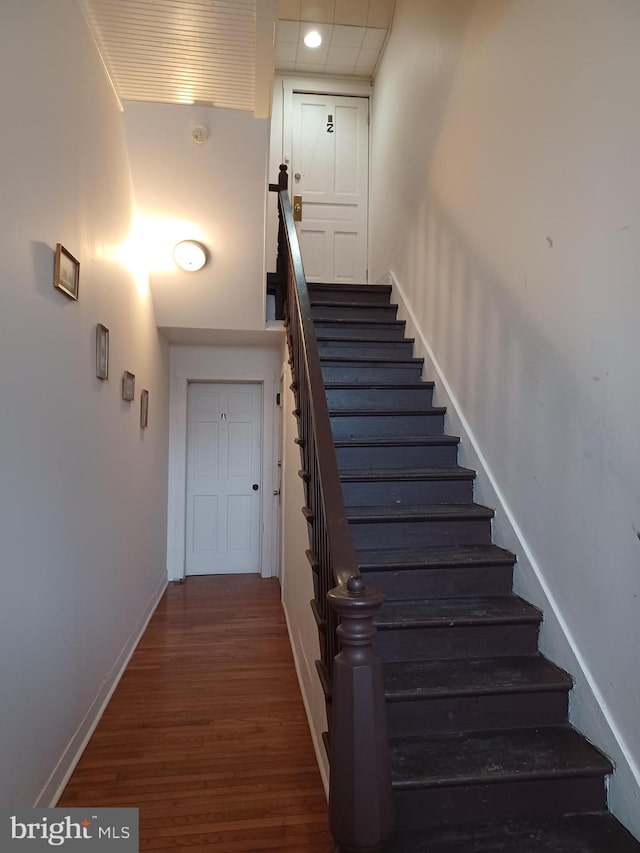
<point>206,733</point>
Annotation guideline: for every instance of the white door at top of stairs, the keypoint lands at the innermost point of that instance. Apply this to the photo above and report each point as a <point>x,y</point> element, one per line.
<point>330,170</point>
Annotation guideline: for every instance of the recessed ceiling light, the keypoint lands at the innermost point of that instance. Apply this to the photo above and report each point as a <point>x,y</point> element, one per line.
<point>190,255</point>
<point>313,39</point>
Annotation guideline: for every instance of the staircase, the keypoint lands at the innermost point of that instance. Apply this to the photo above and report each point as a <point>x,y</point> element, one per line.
<point>483,757</point>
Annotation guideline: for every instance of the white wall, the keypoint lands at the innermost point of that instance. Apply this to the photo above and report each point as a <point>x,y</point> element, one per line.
<point>82,488</point>
<point>213,192</point>
<point>223,364</point>
<point>506,179</point>
<point>297,583</point>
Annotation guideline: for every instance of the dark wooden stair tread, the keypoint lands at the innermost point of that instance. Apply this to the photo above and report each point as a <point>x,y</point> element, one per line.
<point>404,680</point>
<point>437,557</point>
<point>427,512</point>
<point>457,612</point>
<point>370,361</point>
<point>382,474</point>
<point>327,302</point>
<point>396,441</point>
<point>586,833</point>
<point>381,386</point>
<point>328,286</point>
<point>469,758</point>
<point>355,321</point>
<point>325,337</point>
<point>395,410</point>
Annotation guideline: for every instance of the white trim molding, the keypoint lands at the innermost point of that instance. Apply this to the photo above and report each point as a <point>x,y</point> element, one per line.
<point>220,364</point>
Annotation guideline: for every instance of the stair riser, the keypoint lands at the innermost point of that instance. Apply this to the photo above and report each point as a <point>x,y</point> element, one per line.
<point>372,426</point>
<point>376,458</point>
<point>449,643</point>
<point>419,534</point>
<point>447,806</point>
<point>407,492</point>
<point>361,332</point>
<point>344,293</point>
<point>367,350</point>
<point>347,312</point>
<point>407,584</point>
<point>354,374</point>
<point>384,399</point>
<point>470,713</point>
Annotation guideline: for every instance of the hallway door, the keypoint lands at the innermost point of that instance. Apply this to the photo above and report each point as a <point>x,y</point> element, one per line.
<point>224,443</point>
<point>330,170</point>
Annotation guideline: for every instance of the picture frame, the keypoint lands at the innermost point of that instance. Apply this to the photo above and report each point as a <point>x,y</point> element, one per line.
<point>144,408</point>
<point>102,351</point>
<point>66,274</point>
<point>128,386</point>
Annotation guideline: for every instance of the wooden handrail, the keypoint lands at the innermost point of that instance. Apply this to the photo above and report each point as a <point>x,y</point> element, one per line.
<point>360,797</point>
<point>344,561</point>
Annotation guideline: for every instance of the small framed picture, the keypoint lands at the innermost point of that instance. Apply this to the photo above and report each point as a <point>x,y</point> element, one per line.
<point>128,385</point>
<point>102,351</point>
<point>144,409</point>
<point>66,276</point>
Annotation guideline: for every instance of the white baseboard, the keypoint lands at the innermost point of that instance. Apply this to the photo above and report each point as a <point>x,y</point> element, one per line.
<point>589,709</point>
<point>318,744</point>
<point>56,783</point>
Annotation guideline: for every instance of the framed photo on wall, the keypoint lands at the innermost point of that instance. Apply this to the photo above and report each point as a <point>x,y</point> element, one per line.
<point>66,275</point>
<point>102,351</point>
<point>128,386</point>
<point>144,409</point>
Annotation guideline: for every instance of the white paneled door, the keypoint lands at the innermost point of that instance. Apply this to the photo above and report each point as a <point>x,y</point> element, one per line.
<point>330,170</point>
<point>224,439</point>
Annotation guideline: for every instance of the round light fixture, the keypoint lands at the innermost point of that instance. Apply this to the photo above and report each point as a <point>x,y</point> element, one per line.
<point>313,39</point>
<point>190,255</point>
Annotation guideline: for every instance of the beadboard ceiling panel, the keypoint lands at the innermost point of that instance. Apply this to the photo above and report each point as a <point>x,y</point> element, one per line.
<point>179,51</point>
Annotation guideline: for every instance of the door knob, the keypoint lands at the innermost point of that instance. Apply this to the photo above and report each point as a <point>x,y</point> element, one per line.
<point>276,491</point>
<point>297,176</point>
<point>255,487</point>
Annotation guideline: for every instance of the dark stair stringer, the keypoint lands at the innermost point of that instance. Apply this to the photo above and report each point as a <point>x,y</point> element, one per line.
<point>484,759</point>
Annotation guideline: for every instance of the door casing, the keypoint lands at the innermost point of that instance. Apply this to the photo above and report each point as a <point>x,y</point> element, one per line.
<point>261,364</point>
<point>224,474</point>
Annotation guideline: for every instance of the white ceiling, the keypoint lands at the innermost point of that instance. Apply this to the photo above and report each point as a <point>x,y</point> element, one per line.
<point>221,52</point>
<point>353,13</point>
<point>183,51</point>
<point>353,34</point>
<point>345,50</point>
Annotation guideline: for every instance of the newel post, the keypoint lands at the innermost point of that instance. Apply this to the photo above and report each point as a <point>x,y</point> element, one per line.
<point>281,258</point>
<point>360,797</point>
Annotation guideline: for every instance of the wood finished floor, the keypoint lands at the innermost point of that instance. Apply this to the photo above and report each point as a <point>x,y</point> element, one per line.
<point>206,733</point>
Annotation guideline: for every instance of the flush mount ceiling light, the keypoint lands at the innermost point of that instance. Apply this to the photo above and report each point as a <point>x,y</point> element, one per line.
<point>190,255</point>
<point>313,39</point>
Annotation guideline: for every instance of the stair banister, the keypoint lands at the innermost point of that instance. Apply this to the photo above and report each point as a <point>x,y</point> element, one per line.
<point>360,796</point>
